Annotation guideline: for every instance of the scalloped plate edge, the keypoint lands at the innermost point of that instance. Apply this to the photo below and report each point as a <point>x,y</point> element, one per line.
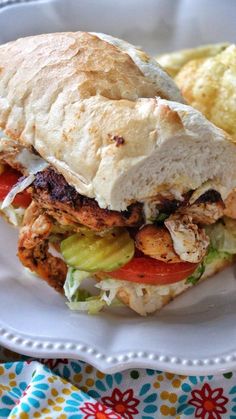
<point>110,363</point>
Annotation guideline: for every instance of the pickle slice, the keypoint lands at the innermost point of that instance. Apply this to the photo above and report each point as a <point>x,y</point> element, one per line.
<point>91,252</point>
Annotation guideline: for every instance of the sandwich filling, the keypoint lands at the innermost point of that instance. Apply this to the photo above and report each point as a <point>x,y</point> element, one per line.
<point>152,247</point>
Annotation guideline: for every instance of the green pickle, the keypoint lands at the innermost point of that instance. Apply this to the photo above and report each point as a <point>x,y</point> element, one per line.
<point>92,252</point>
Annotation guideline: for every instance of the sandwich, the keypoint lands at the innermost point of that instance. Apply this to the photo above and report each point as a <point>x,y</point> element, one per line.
<point>109,174</point>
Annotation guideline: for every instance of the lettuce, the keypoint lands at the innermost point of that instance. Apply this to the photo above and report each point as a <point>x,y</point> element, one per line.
<point>13,215</point>
<point>20,186</point>
<point>72,284</point>
<point>80,299</point>
<point>34,164</point>
<point>197,274</point>
<point>222,246</point>
<point>91,305</point>
<point>223,235</point>
<point>211,256</point>
<point>214,254</point>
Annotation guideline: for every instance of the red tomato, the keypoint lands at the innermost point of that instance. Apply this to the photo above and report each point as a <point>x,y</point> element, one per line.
<point>150,271</point>
<point>7,180</point>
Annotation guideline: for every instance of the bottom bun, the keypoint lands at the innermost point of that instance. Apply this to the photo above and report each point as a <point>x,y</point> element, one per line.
<point>146,299</point>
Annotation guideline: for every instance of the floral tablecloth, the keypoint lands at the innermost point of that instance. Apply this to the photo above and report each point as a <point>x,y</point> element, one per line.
<point>62,389</point>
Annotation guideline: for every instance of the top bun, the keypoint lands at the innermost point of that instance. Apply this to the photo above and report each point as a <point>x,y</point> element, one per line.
<point>99,111</point>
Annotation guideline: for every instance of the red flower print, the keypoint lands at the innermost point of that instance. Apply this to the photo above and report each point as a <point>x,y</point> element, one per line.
<point>210,403</point>
<point>123,403</point>
<point>98,411</point>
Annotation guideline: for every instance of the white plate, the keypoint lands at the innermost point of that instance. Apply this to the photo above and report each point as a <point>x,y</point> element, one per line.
<point>197,333</point>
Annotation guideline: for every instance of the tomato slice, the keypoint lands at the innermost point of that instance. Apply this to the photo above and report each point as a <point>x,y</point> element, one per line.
<point>7,180</point>
<point>150,271</point>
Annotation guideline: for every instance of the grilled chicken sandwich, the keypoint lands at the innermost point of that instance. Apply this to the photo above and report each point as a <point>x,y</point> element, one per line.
<point>109,174</point>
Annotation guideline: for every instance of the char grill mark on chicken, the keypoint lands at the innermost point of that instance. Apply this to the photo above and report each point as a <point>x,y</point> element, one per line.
<point>33,248</point>
<point>190,241</point>
<point>187,241</point>
<point>52,193</point>
<point>207,209</point>
<point>156,242</point>
<point>54,200</point>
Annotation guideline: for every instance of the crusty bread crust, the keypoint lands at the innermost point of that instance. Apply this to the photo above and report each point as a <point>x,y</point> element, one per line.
<point>88,109</point>
<point>148,66</point>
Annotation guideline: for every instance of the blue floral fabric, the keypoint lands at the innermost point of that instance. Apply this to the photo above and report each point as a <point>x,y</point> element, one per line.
<point>73,389</point>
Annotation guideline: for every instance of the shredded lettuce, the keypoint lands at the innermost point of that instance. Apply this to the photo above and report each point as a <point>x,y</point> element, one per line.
<point>80,299</point>
<point>214,254</point>
<point>72,284</point>
<point>222,246</point>
<point>20,186</point>
<point>223,235</point>
<point>33,164</point>
<point>13,215</point>
<point>92,305</point>
<point>197,274</point>
<point>112,286</point>
<point>211,256</point>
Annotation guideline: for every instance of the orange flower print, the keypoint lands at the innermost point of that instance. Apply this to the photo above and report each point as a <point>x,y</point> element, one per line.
<point>123,403</point>
<point>210,403</point>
